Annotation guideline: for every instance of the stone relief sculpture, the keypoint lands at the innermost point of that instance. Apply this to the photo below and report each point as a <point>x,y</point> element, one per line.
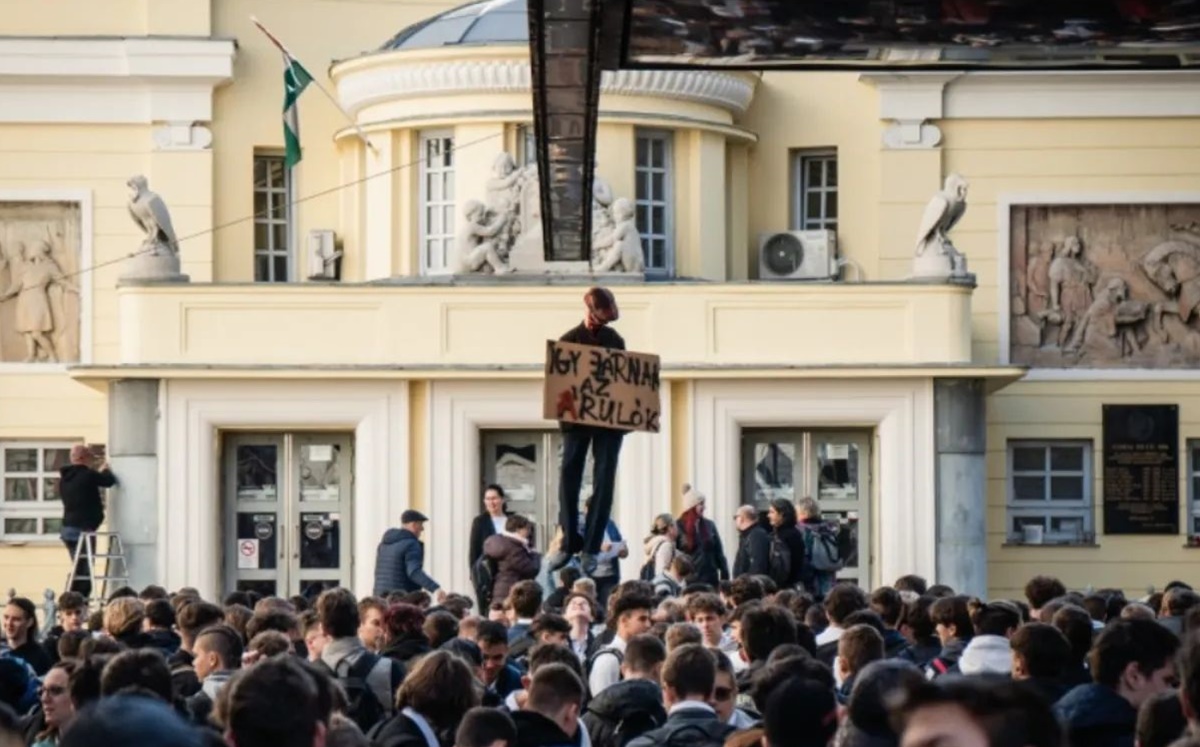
<point>159,255</point>
<point>39,301</point>
<point>503,233</point>
<point>936,255</point>
<point>1106,286</point>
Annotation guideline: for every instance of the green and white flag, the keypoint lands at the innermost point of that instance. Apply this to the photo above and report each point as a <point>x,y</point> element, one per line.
<point>295,80</point>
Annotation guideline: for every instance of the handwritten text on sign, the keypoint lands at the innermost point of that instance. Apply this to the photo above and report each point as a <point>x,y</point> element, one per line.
<point>597,386</point>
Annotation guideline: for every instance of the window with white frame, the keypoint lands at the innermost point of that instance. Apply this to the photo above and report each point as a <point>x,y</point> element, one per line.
<point>814,190</point>
<point>437,200</point>
<point>31,507</point>
<point>526,145</point>
<point>272,220</point>
<point>1049,492</point>
<point>655,219</point>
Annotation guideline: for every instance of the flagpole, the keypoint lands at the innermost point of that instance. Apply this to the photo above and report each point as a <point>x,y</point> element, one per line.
<point>337,104</point>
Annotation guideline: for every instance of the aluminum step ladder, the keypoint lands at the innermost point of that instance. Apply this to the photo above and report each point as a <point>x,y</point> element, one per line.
<point>116,569</point>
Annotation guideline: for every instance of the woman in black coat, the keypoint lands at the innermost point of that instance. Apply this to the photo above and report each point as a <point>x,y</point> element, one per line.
<point>490,522</point>
<point>699,540</point>
<point>782,516</point>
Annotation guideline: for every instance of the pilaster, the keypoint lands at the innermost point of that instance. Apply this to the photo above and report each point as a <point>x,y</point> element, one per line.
<point>133,456</point>
<point>961,484</point>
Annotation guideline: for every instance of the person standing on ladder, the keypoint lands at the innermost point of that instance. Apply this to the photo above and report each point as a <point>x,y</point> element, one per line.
<point>605,445</point>
<point>83,508</point>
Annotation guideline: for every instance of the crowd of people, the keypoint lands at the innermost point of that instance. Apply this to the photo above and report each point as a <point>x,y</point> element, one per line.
<point>748,658</point>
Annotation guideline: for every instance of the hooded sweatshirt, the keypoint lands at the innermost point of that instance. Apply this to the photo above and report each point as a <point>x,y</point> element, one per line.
<point>80,490</point>
<point>986,654</point>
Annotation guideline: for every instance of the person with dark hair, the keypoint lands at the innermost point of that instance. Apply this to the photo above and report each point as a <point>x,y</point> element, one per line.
<point>70,642</point>
<point>142,669</point>
<point>754,543</point>
<point>688,677</point>
<point>546,628</point>
<point>889,605</point>
<point>71,612</point>
<point>1040,590</point>
<point>1189,681</point>
<point>631,611</point>
<point>580,612</point>
<point>973,711</point>
<point>725,695</point>
<point>439,627</point>
<point>1075,623</point>
<point>218,655</point>
<point>989,651</point>
<point>1131,661</point>
<point>763,628</point>
<point>192,619</point>
<point>10,727</point>
<point>670,583</point>
<point>83,508</point>
<point>434,698</point>
<point>489,522</point>
<point>142,721</point>
<point>512,557</point>
<point>787,563</point>
<point>744,589</point>
<point>1175,606</point>
<point>500,676</point>
<point>404,637</point>
<point>20,633</point>
<point>274,704</point>
<point>859,646</point>
<point>368,679</point>
<point>866,722</point>
<point>486,727</point>
<point>1160,721</point>
<point>799,712</point>
<point>1040,658</point>
<point>707,612</point>
<point>371,629</point>
<point>911,584</point>
<point>57,710</point>
<point>842,601</point>
<point>157,627</point>
<point>550,717</point>
<point>577,439</point>
<point>400,558</point>
<point>951,617</point>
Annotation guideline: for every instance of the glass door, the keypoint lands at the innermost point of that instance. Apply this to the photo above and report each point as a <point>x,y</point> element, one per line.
<point>287,502</point>
<point>833,468</point>
<point>519,461</point>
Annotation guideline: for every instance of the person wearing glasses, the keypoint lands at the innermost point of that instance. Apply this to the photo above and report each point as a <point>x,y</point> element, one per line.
<point>57,708</point>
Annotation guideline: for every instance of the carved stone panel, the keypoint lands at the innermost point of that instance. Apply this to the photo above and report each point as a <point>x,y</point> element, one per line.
<point>40,244</point>
<point>1105,286</point>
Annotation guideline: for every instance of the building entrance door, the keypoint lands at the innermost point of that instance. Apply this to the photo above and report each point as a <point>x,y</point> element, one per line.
<point>287,499</point>
<point>526,464</point>
<point>833,467</point>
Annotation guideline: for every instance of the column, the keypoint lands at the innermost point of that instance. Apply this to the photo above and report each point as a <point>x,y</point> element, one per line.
<point>961,484</point>
<point>133,456</point>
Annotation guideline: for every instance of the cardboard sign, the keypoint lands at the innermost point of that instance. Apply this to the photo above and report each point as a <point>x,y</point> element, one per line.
<point>597,386</point>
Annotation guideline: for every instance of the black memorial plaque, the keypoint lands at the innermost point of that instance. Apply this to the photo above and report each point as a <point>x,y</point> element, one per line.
<point>1141,469</point>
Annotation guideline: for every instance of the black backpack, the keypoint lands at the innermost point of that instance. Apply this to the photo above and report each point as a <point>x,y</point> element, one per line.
<point>634,726</point>
<point>779,561</point>
<point>693,735</point>
<point>483,578</point>
<point>362,707</point>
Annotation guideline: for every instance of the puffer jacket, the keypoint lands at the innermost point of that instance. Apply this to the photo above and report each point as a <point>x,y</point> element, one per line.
<point>636,703</point>
<point>398,562</point>
<point>515,562</point>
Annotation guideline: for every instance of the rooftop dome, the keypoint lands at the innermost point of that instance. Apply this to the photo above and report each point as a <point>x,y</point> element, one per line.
<point>480,23</point>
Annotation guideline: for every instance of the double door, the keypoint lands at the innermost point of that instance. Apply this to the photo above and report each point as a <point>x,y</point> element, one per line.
<point>832,467</point>
<point>526,464</point>
<point>287,499</point>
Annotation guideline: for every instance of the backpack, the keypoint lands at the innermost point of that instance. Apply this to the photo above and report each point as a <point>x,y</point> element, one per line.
<point>600,652</point>
<point>637,724</point>
<point>647,572</point>
<point>362,707</point>
<point>691,735</point>
<point>821,546</point>
<point>779,561</point>
<point>483,578</point>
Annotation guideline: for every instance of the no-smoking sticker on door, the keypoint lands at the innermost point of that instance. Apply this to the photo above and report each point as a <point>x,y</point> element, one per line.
<point>248,554</point>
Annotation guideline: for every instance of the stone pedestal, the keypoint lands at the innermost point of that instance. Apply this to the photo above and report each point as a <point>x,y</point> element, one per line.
<point>133,455</point>
<point>961,481</point>
<point>160,264</point>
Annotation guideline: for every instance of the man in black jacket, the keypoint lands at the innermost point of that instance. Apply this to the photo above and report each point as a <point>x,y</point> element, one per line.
<point>605,444</point>
<point>550,717</point>
<point>633,706</point>
<point>83,508</point>
<point>754,544</point>
<point>400,557</point>
<point>688,678</point>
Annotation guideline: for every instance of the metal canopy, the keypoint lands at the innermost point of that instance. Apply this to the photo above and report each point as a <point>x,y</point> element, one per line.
<point>571,41</point>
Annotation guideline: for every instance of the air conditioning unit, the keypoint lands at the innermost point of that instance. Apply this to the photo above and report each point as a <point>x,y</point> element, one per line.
<point>798,255</point>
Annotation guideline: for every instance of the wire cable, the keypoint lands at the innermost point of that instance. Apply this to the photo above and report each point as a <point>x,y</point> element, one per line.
<point>293,203</point>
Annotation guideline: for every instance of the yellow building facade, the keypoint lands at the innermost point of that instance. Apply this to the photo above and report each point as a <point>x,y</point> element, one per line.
<point>267,426</point>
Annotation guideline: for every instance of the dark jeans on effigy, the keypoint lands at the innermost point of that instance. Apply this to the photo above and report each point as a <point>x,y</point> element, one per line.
<point>605,444</point>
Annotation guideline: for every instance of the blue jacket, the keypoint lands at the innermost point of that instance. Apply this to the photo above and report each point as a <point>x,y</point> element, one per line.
<point>398,564</point>
<point>1096,716</point>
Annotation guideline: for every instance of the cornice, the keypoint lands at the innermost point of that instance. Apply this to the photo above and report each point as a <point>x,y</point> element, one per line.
<point>360,86</point>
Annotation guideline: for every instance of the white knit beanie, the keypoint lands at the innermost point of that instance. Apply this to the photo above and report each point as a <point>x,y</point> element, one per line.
<point>692,497</point>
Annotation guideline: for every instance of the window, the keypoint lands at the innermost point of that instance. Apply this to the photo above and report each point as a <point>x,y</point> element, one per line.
<point>814,190</point>
<point>437,200</point>
<point>526,145</point>
<point>1050,492</point>
<point>272,220</point>
<point>652,170</point>
<point>1194,489</point>
<point>31,507</point>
